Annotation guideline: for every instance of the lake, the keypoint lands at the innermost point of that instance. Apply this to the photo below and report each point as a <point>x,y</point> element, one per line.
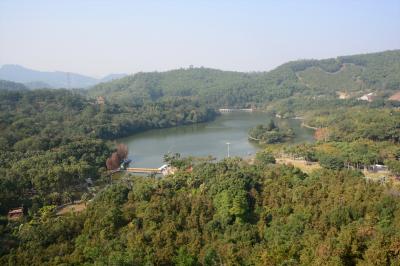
<point>147,149</point>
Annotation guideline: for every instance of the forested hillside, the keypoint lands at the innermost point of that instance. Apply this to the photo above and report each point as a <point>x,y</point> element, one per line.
<point>52,140</point>
<point>144,87</point>
<point>9,85</point>
<point>354,75</point>
<point>225,213</point>
<point>353,137</point>
<point>207,212</point>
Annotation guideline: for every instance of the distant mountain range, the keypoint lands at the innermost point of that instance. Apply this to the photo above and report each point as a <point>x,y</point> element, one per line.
<point>35,79</point>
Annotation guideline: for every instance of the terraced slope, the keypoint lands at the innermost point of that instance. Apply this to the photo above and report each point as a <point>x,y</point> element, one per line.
<point>347,79</point>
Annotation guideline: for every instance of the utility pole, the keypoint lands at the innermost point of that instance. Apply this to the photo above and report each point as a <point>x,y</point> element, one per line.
<point>228,149</point>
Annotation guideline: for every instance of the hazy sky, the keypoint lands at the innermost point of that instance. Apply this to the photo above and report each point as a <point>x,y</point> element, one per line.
<point>101,37</point>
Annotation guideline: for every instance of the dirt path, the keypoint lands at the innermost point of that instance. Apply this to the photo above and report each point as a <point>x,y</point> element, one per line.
<point>76,207</point>
<point>301,164</point>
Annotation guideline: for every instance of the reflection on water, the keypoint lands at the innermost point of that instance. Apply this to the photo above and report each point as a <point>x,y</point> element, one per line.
<point>148,148</point>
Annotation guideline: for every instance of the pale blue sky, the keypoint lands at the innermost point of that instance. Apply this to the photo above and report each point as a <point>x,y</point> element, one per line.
<point>101,37</point>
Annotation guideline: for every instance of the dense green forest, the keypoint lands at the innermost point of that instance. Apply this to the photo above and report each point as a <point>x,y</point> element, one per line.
<point>349,124</point>
<point>51,141</point>
<point>9,85</point>
<point>354,75</point>
<point>224,213</point>
<point>228,212</point>
<point>354,138</point>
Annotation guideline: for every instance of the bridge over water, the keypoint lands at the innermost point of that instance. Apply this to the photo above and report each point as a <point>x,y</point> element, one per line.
<point>229,110</point>
<point>144,170</point>
<point>163,170</point>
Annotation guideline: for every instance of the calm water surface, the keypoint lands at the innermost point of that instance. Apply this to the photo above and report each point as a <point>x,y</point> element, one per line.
<point>148,148</point>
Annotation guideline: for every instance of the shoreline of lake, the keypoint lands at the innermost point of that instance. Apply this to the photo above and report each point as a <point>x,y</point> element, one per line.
<point>147,149</point>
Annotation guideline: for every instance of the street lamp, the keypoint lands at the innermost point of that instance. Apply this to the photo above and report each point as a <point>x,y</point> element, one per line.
<point>228,148</point>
